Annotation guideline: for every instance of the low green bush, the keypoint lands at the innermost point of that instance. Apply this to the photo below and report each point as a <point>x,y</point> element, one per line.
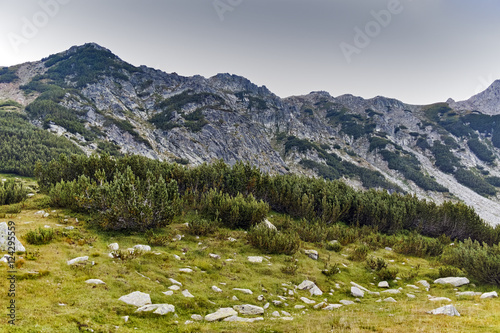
<point>40,236</point>
<point>203,227</point>
<point>419,246</point>
<point>376,264</point>
<point>360,253</point>
<point>274,242</point>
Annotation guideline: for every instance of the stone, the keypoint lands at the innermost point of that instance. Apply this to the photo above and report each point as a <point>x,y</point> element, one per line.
<point>214,256</point>
<point>221,314</point>
<point>243,320</point>
<point>275,314</point>
<point>46,215</point>
<point>410,295</point>
<point>4,240</point>
<point>306,285</point>
<point>388,249</point>
<point>356,292</point>
<point>391,291</point>
<point>354,284</point>
<point>277,303</point>
<point>383,284</point>
<point>197,317</point>
<point>332,306</point>
<point>390,300</point>
<point>234,298</point>
<point>168,293</point>
<point>248,309</point>
<point>299,306</point>
<point>216,289</point>
<point>307,300</point>
<point>69,228</point>
<point>187,294</point>
<point>175,282</point>
<point>266,306</point>
<point>186,270</point>
<point>346,302</point>
<point>77,260</point>
<point>468,293</point>
<point>174,287</point>
<point>163,309</point>
<point>313,254</point>
<point>319,305</point>
<point>113,246</point>
<point>439,299</point>
<point>245,291</point>
<point>412,286</point>
<point>136,298</point>
<point>142,248</point>
<point>187,322</point>
<point>260,298</point>
<point>448,310</point>
<point>454,281</point>
<point>231,239</point>
<point>492,294</point>
<point>286,318</point>
<point>176,257</point>
<point>94,281</point>
<point>255,259</point>
<point>286,314</point>
<point>268,225</point>
<point>424,283</point>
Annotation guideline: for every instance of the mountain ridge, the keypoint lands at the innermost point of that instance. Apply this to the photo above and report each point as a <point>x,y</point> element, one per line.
<point>104,104</point>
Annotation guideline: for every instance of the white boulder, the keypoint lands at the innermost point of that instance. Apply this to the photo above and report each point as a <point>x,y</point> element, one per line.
<point>136,298</point>
<point>248,309</point>
<point>4,240</point>
<point>448,310</point>
<point>221,314</point>
<point>454,281</point>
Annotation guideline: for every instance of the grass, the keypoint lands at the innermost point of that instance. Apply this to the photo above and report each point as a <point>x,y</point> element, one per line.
<point>86,306</point>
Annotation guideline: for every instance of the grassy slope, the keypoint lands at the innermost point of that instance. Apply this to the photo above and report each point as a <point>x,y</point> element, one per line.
<point>97,307</point>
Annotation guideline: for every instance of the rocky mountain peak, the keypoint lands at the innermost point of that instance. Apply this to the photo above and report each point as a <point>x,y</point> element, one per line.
<point>487,102</point>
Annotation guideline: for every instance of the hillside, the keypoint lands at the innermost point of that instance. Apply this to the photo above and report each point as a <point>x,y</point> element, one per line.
<point>90,97</point>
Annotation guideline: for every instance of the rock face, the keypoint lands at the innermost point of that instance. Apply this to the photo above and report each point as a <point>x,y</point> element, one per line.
<point>195,120</point>
<point>136,298</point>
<point>4,240</point>
<point>454,281</point>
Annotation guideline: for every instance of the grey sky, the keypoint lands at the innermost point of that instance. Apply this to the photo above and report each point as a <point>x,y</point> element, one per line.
<point>427,51</point>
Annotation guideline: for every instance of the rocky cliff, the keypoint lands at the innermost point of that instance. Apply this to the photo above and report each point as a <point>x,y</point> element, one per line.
<point>444,151</point>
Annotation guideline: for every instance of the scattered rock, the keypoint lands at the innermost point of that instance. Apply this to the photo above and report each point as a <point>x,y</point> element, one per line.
<point>260,298</point>
<point>448,310</point>
<point>231,239</point>
<point>454,281</point>
<point>136,298</point>
<point>383,284</point>
<point>168,293</point>
<point>4,239</point>
<point>410,295</point>
<point>245,291</point>
<point>277,303</point>
<point>113,246</point>
<point>319,305</point>
<point>186,293</point>
<point>412,286</point>
<point>255,259</point>
<point>356,292</point>
<point>390,300</point>
<point>307,300</point>
<point>174,287</point>
<point>186,270</point>
<point>221,314</point>
<point>425,284</point>
<point>346,302</point>
<point>176,257</point>
<point>313,254</point>
<point>439,299</point>
<point>142,248</point>
<point>266,306</point>
<point>125,318</point>
<point>175,282</point>
<point>77,260</point>
<point>284,313</point>
<point>197,317</point>
<point>187,322</point>
<point>354,284</point>
<point>311,286</point>
<point>69,228</point>
<point>391,291</point>
<point>243,320</point>
<point>332,306</point>
<point>275,314</point>
<point>388,249</point>
<point>216,289</point>
<point>268,225</point>
<point>468,293</point>
<point>95,281</point>
<point>234,298</point>
<point>248,309</point>
<point>214,256</point>
<point>492,294</point>
<point>299,306</point>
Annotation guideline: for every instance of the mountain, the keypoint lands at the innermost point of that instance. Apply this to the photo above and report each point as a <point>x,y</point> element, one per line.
<point>444,151</point>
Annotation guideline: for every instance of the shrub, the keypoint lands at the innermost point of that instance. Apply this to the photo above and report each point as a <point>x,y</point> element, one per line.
<point>156,240</point>
<point>314,232</point>
<point>419,246</point>
<point>203,227</point>
<point>360,252</point>
<point>40,236</point>
<point>479,261</point>
<point>386,274</point>
<point>376,263</point>
<point>334,246</point>
<point>272,241</point>
<point>446,271</point>
<point>12,192</point>
<point>291,266</point>
<point>233,212</point>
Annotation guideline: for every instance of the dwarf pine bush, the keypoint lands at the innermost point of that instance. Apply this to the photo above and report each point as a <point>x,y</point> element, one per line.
<point>274,242</point>
<point>39,236</point>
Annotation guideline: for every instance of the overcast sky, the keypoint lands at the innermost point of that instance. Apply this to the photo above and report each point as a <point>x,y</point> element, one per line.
<point>420,52</point>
